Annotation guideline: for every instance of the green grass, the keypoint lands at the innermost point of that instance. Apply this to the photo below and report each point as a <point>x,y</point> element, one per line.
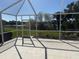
<point>40,33</point>
<point>43,34</point>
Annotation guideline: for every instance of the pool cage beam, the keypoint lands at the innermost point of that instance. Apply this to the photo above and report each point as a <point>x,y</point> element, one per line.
<point>8,14</point>
<point>22,28</point>
<point>2,35</point>
<point>35,15</point>
<point>17,31</point>
<point>17,23</point>
<point>16,20</point>
<point>2,21</point>
<point>10,6</point>
<point>29,26</point>
<point>60,30</point>
<point>30,32</point>
<point>22,31</point>
<point>17,39</point>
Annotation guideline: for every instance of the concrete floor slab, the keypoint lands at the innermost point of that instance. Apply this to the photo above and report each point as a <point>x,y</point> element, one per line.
<point>56,49</point>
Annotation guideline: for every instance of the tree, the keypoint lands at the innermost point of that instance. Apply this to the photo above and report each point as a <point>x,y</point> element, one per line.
<point>73,7</point>
<point>57,17</point>
<point>14,22</point>
<point>47,17</point>
<point>33,24</point>
<point>40,16</point>
<point>69,21</point>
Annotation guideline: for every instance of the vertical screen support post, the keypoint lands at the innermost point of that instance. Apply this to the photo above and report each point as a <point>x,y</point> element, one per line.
<point>2,35</point>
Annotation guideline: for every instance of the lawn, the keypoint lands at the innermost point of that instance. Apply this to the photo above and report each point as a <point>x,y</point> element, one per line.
<point>40,33</point>
<point>44,34</point>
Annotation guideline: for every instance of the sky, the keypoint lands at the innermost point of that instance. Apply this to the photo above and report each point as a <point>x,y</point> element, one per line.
<point>45,6</point>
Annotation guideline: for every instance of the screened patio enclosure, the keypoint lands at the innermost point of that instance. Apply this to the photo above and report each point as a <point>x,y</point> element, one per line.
<point>47,24</point>
<point>24,11</point>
